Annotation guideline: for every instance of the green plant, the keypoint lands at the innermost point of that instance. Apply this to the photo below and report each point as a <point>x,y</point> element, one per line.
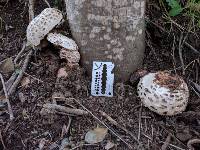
<point>176,8</point>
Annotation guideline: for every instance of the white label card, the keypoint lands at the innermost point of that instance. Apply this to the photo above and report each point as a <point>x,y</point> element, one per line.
<point>102,79</point>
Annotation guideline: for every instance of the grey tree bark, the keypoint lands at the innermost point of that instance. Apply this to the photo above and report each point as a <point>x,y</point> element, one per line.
<point>109,30</point>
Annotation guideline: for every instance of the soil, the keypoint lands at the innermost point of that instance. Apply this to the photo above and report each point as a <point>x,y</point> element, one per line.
<point>30,129</point>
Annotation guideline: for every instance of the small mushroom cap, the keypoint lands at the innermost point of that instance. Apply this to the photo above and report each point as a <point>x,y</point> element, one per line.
<point>70,56</point>
<point>41,25</point>
<point>63,41</point>
<point>163,93</point>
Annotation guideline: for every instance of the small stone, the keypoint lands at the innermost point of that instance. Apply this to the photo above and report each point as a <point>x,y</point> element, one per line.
<point>21,97</point>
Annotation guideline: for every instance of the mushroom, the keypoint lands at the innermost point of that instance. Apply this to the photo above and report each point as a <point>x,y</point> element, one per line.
<point>69,49</point>
<point>163,93</point>
<point>71,56</point>
<point>42,26</point>
<point>62,41</point>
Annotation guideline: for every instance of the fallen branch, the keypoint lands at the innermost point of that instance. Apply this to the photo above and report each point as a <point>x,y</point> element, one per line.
<point>111,130</point>
<point>63,109</point>
<point>7,98</point>
<point>21,73</point>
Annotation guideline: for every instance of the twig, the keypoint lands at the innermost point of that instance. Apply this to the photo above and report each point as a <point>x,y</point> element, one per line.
<point>31,10</point>
<point>69,124</point>
<point>24,47</point>
<point>191,142</point>
<point>120,126</point>
<point>64,109</point>
<point>10,82</point>
<point>7,98</point>
<point>65,129</point>
<point>180,48</point>
<point>192,48</point>
<point>173,54</point>
<point>21,73</point>
<point>166,143</point>
<point>111,130</point>
<point>139,123</point>
<point>2,142</point>
<point>47,3</point>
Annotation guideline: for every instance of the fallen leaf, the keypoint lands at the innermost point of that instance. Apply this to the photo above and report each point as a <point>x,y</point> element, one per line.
<point>95,136</point>
<point>109,145</point>
<point>25,81</point>
<point>7,66</point>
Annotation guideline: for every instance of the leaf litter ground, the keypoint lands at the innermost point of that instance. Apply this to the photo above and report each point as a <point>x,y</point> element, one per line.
<point>29,129</point>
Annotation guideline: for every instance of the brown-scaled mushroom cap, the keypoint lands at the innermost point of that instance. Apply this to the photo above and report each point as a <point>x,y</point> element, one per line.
<point>163,93</point>
<point>70,56</point>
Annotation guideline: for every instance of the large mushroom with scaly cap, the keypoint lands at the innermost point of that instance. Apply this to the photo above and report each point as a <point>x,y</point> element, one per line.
<point>163,93</point>
<point>42,26</point>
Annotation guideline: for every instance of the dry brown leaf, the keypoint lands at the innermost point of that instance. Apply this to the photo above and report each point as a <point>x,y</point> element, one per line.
<point>95,136</point>
<point>7,66</point>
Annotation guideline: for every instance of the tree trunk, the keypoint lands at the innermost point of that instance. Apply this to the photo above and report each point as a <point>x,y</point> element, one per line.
<point>109,30</point>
